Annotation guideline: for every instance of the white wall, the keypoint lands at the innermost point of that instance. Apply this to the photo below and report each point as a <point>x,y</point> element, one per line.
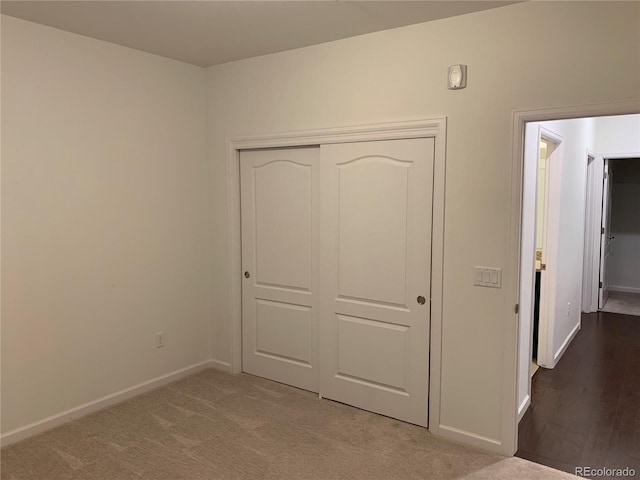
<point>619,134</point>
<point>624,263</point>
<point>566,297</point>
<point>104,219</point>
<point>400,74</point>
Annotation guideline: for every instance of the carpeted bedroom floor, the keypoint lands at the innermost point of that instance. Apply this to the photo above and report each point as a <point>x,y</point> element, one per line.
<point>217,426</point>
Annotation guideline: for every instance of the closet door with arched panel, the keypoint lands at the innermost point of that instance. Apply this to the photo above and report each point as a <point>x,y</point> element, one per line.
<point>375,260</point>
<point>279,209</point>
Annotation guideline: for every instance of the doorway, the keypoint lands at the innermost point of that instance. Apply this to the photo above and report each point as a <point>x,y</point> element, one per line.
<point>582,137</point>
<point>574,192</point>
<point>612,235</point>
<point>621,237</point>
<point>543,151</point>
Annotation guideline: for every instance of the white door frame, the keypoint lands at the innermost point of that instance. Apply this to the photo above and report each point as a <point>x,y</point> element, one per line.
<point>605,237</point>
<point>590,268</point>
<point>531,149</point>
<point>433,128</point>
<point>512,288</point>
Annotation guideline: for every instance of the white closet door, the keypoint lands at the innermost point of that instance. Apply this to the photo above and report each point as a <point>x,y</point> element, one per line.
<point>375,260</point>
<point>279,208</point>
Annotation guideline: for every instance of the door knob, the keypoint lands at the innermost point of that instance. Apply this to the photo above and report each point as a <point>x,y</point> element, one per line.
<point>421,300</point>
<point>247,274</point>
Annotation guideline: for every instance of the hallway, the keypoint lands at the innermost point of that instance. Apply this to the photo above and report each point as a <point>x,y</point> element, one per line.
<point>586,411</point>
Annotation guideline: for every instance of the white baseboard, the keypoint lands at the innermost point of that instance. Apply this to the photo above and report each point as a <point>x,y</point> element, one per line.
<point>220,365</point>
<point>616,288</point>
<point>53,421</point>
<point>469,438</point>
<point>565,344</point>
<point>522,409</point>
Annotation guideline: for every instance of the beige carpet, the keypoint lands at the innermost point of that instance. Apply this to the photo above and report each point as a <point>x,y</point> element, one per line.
<point>625,303</point>
<point>217,426</point>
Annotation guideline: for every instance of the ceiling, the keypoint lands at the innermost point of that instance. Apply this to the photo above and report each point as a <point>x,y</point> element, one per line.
<point>212,32</point>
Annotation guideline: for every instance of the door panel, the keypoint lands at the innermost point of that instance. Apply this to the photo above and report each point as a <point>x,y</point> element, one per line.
<point>382,361</point>
<point>284,331</point>
<point>373,230</point>
<point>283,200</point>
<point>279,209</point>
<point>605,238</point>
<point>375,257</point>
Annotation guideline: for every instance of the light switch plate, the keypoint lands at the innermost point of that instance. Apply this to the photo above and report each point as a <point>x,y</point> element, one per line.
<point>487,277</point>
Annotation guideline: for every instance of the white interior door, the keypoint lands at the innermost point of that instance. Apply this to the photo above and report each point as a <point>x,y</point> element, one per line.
<point>279,209</point>
<point>605,238</point>
<point>375,275</point>
<point>544,353</point>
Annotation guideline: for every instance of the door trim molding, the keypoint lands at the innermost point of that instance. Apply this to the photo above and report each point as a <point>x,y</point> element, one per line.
<point>509,432</point>
<point>590,227</point>
<point>421,128</point>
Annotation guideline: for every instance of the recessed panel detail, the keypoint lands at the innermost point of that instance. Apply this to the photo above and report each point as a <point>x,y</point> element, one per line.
<point>283,330</point>
<point>283,224</point>
<point>372,231</point>
<point>373,352</point>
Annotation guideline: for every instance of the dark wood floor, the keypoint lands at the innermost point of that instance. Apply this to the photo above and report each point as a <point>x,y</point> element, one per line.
<point>586,411</point>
